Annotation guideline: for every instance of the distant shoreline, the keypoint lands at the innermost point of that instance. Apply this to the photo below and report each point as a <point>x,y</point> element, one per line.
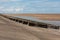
<point>52,17</point>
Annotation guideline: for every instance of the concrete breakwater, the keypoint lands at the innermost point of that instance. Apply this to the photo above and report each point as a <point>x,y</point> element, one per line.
<point>34,22</point>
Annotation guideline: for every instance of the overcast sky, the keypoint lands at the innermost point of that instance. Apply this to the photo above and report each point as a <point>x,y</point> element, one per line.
<point>29,6</point>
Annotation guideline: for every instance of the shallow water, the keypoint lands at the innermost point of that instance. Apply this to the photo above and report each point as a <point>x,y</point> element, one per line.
<point>57,23</point>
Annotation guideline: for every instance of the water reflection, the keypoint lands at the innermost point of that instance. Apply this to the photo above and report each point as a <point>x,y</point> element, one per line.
<point>57,23</point>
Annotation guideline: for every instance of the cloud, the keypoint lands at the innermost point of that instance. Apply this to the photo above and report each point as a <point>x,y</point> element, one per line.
<point>9,0</point>
<point>42,6</point>
<point>11,9</point>
<point>44,3</point>
<point>19,9</point>
<point>16,6</point>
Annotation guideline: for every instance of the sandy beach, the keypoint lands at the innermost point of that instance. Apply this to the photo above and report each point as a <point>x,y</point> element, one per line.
<point>11,30</point>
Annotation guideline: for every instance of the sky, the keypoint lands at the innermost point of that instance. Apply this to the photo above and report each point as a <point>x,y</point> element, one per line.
<point>30,6</point>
